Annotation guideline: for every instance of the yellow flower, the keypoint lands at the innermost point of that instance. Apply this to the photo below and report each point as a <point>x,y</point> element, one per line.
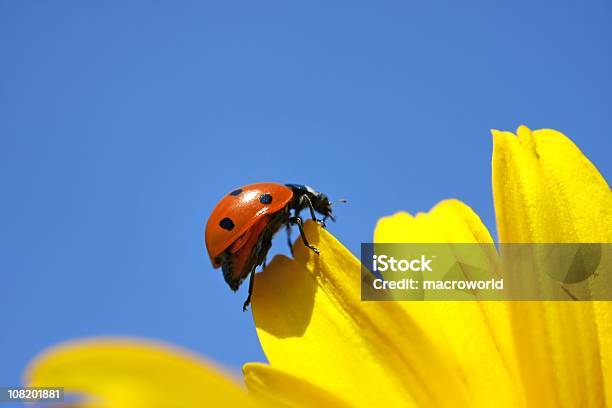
<point>476,354</point>
<point>325,347</point>
<point>129,373</point>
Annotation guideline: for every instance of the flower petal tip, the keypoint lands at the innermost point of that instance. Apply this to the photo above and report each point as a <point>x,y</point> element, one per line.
<point>126,372</point>
<point>523,129</point>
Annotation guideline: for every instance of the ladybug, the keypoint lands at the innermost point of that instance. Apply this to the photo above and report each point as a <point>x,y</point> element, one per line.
<point>240,228</point>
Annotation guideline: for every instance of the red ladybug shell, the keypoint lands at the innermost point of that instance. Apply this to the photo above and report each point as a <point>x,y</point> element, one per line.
<point>240,210</point>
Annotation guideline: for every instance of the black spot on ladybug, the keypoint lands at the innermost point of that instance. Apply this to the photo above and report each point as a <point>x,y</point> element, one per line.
<point>236,192</point>
<point>265,199</point>
<point>226,224</point>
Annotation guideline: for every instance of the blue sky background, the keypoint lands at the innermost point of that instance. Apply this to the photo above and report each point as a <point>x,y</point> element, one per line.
<point>123,123</point>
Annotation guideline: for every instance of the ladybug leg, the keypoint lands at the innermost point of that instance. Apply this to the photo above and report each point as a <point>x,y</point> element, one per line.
<point>298,221</point>
<point>305,199</point>
<point>247,302</point>
<point>288,229</point>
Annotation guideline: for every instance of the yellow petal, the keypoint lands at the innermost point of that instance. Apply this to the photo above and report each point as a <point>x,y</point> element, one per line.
<point>276,387</point>
<point>450,221</point>
<point>129,373</point>
<point>476,333</point>
<point>558,353</point>
<point>546,190</point>
<point>312,323</point>
<point>603,323</point>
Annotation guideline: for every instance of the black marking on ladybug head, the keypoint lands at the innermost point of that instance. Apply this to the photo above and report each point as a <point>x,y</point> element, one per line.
<point>265,199</point>
<point>227,224</point>
<point>236,192</point>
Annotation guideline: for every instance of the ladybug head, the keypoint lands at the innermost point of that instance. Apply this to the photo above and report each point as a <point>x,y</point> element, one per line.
<point>322,205</point>
<point>320,202</point>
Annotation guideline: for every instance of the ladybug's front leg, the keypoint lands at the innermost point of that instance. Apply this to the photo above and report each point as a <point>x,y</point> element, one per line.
<point>306,199</point>
<point>298,221</point>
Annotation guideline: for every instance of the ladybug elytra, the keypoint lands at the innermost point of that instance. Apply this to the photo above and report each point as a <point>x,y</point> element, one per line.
<point>240,228</point>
